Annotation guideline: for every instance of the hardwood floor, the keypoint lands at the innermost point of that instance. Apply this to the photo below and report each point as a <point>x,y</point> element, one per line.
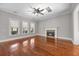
<point>38,46</point>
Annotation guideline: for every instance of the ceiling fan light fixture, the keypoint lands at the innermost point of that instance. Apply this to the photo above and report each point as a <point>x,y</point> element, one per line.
<point>49,9</point>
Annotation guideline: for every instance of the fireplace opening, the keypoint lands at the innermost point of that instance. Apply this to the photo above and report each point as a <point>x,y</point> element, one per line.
<point>50,33</point>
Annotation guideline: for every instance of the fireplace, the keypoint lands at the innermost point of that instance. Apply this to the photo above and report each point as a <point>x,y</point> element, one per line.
<point>51,32</point>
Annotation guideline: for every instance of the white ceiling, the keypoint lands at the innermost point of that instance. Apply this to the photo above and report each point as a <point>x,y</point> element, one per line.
<point>24,9</point>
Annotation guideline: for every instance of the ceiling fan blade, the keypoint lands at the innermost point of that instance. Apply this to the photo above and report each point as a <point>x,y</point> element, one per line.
<point>42,10</point>
<point>35,9</point>
<point>41,13</point>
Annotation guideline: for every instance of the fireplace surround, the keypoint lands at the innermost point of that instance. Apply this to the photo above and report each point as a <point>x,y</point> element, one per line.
<point>51,32</point>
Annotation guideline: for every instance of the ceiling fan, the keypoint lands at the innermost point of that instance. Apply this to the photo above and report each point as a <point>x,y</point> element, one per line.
<point>40,11</point>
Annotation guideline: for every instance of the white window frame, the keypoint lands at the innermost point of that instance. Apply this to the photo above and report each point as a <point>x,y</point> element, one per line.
<point>27,26</point>
<point>18,24</point>
<point>32,25</point>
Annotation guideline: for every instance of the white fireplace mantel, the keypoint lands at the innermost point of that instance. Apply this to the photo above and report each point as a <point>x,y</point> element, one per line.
<point>51,29</point>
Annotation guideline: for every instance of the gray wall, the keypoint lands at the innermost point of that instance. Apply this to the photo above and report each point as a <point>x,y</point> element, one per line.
<point>62,23</point>
<point>4,25</point>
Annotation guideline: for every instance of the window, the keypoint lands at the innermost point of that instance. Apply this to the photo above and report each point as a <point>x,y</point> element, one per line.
<point>32,27</point>
<point>25,27</point>
<point>14,27</point>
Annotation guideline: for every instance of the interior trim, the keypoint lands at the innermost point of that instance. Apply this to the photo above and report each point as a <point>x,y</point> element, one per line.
<point>16,38</point>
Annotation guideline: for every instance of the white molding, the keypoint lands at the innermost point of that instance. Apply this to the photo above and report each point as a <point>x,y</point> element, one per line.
<point>16,38</point>
<point>75,43</point>
<point>64,38</point>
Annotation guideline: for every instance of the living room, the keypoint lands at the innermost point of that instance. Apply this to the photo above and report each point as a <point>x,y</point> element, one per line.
<point>39,29</point>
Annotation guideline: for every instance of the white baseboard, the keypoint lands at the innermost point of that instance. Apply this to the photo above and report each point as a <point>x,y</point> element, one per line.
<point>75,43</point>
<point>65,38</point>
<point>16,38</point>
